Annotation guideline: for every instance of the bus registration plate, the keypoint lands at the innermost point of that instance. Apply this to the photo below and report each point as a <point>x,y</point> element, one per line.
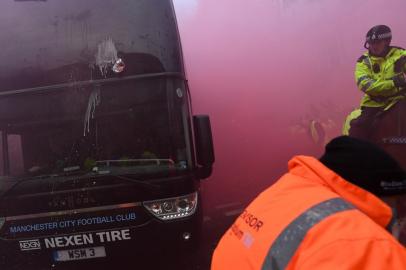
<point>79,254</point>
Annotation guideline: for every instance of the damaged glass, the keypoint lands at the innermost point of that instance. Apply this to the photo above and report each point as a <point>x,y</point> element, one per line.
<point>94,130</point>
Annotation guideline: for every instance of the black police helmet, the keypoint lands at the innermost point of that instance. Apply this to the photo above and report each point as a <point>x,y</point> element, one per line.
<point>378,32</point>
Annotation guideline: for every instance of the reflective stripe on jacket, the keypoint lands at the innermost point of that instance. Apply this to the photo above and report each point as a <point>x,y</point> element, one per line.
<point>374,77</point>
<point>353,115</point>
<point>311,218</point>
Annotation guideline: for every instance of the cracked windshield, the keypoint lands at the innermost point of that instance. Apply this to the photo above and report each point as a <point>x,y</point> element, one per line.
<point>127,127</point>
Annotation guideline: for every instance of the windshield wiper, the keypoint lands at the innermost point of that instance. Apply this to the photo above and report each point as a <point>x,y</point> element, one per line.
<point>91,175</point>
<point>135,181</point>
<point>143,161</point>
<point>40,177</point>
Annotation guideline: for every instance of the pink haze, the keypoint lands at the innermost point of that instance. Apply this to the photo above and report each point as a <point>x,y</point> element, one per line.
<point>263,69</point>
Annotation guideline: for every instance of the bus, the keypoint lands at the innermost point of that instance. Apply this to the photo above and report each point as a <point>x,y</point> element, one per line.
<point>101,156</point>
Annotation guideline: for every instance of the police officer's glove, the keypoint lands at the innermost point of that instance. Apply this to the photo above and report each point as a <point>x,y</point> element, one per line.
<point>400,80</point>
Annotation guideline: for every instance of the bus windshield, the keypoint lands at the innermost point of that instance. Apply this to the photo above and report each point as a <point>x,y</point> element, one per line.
<point>91,86</point>
<point>129,126</point>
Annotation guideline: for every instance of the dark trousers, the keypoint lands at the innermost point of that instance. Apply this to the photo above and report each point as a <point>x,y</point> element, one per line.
<point>363,126</point>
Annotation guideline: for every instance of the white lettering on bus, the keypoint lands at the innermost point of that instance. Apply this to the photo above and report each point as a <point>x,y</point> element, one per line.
<point>71,240</point>
<point>113,236</point>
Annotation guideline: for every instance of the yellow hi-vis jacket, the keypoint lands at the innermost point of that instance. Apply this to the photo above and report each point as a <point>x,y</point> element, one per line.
<point>374,76</point>
<point>311,218</point>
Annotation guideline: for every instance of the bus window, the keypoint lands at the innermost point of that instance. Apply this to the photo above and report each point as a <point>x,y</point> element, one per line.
<point>15,154</point>
<point>1,154</point>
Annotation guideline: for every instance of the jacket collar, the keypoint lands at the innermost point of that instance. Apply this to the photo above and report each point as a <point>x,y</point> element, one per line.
<point>314,171</point>
<point>388,54</point>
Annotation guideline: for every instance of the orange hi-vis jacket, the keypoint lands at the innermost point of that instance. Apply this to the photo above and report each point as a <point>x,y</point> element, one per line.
<point>311,219</point>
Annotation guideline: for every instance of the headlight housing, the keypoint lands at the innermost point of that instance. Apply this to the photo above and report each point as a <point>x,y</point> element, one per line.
<point>173,208</point>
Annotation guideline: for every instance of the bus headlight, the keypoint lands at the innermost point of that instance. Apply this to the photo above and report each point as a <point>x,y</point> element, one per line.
<point>173,208</point>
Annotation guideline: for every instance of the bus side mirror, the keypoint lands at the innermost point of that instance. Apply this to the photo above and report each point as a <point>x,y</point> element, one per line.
<point>204,145</point>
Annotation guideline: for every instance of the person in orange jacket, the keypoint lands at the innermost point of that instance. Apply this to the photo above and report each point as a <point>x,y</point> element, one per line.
<point>343,211</point>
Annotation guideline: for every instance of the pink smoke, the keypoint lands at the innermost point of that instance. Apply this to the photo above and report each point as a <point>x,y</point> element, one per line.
<point>262,69</point>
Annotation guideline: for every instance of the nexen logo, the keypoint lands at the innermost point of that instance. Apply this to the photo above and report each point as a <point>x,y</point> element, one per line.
<point>71,240</point>
<point>87,239</point>
<point>30,244</point>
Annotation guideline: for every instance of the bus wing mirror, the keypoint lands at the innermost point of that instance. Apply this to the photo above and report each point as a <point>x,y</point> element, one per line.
<point>204,145</point>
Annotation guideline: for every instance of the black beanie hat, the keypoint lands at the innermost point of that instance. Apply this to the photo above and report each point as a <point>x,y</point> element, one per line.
<point>365,165</point>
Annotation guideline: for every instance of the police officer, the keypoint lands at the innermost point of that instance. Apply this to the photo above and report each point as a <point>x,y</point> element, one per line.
<point>380,74</point>
<point>338,212</point>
